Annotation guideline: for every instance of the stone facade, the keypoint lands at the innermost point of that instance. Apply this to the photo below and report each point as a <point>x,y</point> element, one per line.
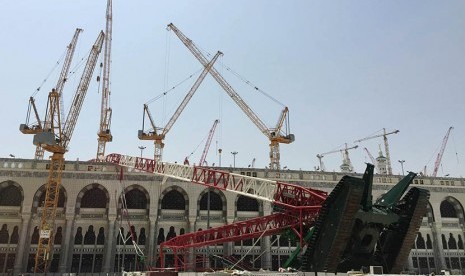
<point>92,224</point>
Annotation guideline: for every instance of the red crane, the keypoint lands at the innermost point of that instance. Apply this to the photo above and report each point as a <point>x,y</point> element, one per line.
<point>441,152</point>
<point>298,206</point>
<point>207,144</point>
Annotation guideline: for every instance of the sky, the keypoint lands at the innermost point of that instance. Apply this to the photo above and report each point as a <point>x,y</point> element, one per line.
<point>345,70</point>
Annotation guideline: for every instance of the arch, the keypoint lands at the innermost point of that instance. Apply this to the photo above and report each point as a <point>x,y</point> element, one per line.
<point>11,194</point>
<point>245,203</point>
<point>429,213</point>
<point>217,200</point>
<point>39,198</point>
<point>136,197</point>
<point>451,208</point>
<point>174,198</point>
<point>93,196</point>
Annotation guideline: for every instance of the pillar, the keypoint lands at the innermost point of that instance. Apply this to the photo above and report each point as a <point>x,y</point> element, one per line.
<point>24,243</point>
<point>110,247</point>
<point>152,242</point>
<point>67,244</point>
<point>266,257</point>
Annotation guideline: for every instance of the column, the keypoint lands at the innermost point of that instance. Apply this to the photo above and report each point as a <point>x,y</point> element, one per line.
<point>109,245</point>
<point>67,244</point>
<point>437,246</point>
<point>24,243</point>
<point>266,257</point>
<point>151,242</point>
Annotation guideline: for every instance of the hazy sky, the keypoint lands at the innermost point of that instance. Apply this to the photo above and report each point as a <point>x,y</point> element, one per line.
<point>345,69</point>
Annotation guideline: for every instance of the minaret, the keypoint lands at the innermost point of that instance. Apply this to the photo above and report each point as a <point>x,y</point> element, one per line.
<point>381,162</point>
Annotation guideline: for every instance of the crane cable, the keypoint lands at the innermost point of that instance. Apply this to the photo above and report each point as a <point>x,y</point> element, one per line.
<point>50,73</point>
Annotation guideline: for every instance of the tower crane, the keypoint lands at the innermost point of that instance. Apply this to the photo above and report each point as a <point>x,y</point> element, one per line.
<point>275,135</point>
<point>207,144</point>
<point>38,126</point>
<point>104,134</point>
<point>371,156</point>
<point>55,138</point>
<point>386,145</point>
<point>345,151</point>
<point>441,152</point>
<point>159,134</point>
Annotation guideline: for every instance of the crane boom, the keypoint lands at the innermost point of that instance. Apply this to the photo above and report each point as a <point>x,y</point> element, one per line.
<point>207,144</point>
<point>160,137</point>
<point>321,155</point>
<point>104,134</point>
<point>371,156</point>
<point>386,145</point>
<point>55,140</point>
<point>36,128</point>
<point>274,137</point>
<point>441,152</point>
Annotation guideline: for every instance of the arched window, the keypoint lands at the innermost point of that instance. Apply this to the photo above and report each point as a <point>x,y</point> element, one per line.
<point>215,202</point>
<point>136,199</point>
<point>173,200</point>
<point>10,196</point>
<point>94,198</point>
<point>245,203</point>
<point>61,199</point>
<point>420,241</point>
<point>448,210</point>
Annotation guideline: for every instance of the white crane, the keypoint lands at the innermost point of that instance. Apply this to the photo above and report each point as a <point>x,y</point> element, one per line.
<point>386,145</point>
<point>344,151</point>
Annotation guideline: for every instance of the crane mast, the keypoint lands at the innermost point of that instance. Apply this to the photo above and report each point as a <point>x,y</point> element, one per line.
<point>158,138</point>
<point>275,137</point>
<point>207,144</point>
<point>441,152</point>
<point>55,139</point>
<point>104,134</point>
<point>386,146</point>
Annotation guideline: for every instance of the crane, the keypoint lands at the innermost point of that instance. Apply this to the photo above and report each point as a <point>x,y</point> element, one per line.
<point>207,144</point>
<point>275,135</point>
<point>441,152</point>
<point>38,126</point>
<point>104,134</point>
<point>345,152</point>
<point>159,134</point>
<point>55,138</point>
<point>386,145</point>
<point>371,156</point>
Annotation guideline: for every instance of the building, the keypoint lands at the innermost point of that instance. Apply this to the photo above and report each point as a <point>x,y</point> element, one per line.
<point>91,218</point>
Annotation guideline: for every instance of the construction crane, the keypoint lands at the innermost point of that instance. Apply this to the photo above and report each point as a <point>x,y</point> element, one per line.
<point>159,134</point>
<point>386,146</point>
<point>55,138</point>
<point>275,135</point>
<point>207,144</point>
<point>373,161</point>
<point>441,152</point>
<point>104,134</point>
<point>38,126</point>
<point>345,151</point>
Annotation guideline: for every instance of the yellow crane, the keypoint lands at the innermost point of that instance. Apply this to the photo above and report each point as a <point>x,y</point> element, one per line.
<point>386,145</point>
<point>55,138</point>
<point>275,135</point>
<point>37,126</point>
<point>159,134</point>
<point>104,134</point>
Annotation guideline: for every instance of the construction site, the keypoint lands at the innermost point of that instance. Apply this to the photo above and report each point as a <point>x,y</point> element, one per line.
<point>124,214</point>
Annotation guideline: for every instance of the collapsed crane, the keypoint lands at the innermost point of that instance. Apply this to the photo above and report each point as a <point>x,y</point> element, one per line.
<point>104,133</point>
<point>54,137</point>
<point>38,126</point>
<point>344,151</point>
<point>386,146</point>
<point>441,152</point>
<point>159,134</point>
<point>343,230</point>
<point>275,135</point>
